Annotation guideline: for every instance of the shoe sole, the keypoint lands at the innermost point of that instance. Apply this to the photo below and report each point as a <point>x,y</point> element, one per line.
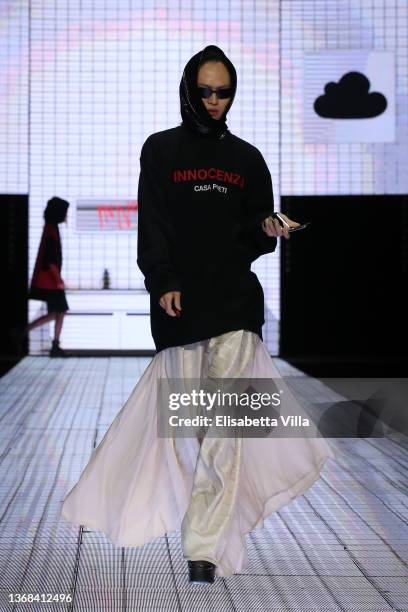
<point>201,574</point>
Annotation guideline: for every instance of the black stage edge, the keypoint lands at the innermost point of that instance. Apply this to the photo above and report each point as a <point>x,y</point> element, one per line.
<point>110,352</point>
<point>344,302</point>
<point>14,256</point>
<point>349,368</point>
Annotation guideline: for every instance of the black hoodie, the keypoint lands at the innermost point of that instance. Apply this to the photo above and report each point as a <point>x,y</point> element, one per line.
<point>203,193</point>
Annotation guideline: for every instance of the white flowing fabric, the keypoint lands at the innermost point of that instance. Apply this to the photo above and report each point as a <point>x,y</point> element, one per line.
<point>137,486</point>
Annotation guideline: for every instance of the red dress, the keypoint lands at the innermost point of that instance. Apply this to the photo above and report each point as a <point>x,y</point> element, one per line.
<point>44,284</point>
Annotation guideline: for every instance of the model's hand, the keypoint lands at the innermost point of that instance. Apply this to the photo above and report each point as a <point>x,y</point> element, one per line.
<point>272,227</point>
<point>166,302</point>
<point>61,284</point>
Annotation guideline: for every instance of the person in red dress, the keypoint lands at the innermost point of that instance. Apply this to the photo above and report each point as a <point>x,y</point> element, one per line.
<point>46,283</point>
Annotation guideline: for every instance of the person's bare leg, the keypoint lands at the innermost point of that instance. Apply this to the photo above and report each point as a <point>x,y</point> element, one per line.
<point>18,334</point>
<point>40,321</point>
<point>59,319</point>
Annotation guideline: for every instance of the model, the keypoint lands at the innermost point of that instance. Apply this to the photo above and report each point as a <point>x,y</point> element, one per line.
<point>205,206</point>
<point>46,283</point>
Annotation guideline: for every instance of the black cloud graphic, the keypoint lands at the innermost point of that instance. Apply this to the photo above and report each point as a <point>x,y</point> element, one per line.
<point>350,99</point>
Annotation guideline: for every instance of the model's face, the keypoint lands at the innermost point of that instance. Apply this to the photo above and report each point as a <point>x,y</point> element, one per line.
<point>216,76</point>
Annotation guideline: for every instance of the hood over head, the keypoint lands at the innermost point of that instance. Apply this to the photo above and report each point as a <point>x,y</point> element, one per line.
<point>56,210</point>
<point>195,115</point>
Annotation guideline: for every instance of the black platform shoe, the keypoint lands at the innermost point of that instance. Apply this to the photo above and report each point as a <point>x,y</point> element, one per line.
<point>56,350</point>
<point>200,572</point>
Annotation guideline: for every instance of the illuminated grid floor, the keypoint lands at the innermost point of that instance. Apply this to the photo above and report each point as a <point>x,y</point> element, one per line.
<point>341,546</point>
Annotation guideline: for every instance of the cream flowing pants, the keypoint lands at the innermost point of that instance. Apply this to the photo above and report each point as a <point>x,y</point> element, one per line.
<point>205,524</point>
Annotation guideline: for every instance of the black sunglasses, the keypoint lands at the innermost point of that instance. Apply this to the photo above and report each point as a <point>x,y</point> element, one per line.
<point>206,92</point>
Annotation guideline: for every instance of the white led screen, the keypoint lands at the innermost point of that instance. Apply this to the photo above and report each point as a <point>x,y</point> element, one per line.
<point>84,83</point>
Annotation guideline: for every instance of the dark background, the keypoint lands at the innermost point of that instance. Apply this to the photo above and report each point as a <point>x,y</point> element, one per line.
<point>343,285</point>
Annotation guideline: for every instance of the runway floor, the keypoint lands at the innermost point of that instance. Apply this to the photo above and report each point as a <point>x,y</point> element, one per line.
<point>341,546</point>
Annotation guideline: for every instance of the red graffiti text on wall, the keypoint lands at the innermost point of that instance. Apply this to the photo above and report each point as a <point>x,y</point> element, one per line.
<point>118,215</point>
